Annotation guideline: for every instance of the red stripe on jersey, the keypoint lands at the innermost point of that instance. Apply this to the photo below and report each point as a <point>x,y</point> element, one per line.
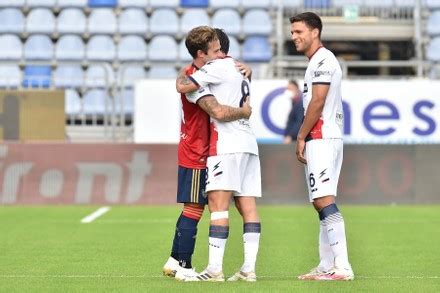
<point>316,131</point>
<point>213,140</point>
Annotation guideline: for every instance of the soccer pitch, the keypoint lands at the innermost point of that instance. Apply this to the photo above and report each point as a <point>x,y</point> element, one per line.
<point>47,249</point>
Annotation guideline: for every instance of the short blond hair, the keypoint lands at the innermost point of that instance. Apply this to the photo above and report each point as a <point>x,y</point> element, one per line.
<point>199,38</point>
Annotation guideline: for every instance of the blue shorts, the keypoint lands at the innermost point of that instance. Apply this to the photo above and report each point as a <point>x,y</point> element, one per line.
<point>191,186</point>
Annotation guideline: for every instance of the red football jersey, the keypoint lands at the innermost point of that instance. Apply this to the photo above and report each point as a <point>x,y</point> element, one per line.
<point>194,133</point>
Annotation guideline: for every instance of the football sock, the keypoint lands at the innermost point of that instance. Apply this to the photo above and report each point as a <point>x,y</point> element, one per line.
<point>336,234</point>
<point>251,241</point>
<point>175,248</point>
<point>218,235</point>
<point>326,258</point>
<point>187,231</point>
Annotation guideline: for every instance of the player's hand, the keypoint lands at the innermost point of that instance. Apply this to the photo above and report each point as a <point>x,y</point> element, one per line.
<point>287,139</point>
<point>247,107</point>
<point>244,69</point>
<point>300,148</point>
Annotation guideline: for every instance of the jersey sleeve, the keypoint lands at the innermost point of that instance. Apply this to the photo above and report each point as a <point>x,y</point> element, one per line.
<point>194,96</point>
<point>210,73</point>
<point>323,72</point>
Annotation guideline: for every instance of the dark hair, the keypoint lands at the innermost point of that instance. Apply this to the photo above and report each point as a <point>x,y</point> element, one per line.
<point>224,40</point>
<point>312,20</point>
<point>199,38</point>
<point>292,81</point>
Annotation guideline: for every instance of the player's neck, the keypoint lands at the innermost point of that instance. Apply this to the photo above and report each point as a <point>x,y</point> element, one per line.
<point>313,49</point>
<point>198,62</point>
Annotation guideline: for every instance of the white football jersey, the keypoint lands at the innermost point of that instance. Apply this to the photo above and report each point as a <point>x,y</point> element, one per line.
<point>221,79</point>
<point>324,68</point>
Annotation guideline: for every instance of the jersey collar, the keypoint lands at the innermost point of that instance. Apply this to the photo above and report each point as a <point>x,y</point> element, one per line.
<point>316,51</point>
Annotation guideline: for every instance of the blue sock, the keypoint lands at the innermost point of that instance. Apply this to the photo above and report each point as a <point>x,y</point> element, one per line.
<point>175,248</point>
<point>187,240</point>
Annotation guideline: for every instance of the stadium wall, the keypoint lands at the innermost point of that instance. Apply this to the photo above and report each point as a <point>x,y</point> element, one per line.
<point>59,173</point>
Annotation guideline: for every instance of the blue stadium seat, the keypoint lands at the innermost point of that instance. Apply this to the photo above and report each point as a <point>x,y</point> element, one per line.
<point>192,18</point>
<point>406,3</point>
<point>133,3</point>
<point>292,3</point>
<point>256,4</point>
<point>11,48</point>
<point>71,20</point>
<point>12,3</point>
<point>256,49</point>
<point>133,21</point>
<point>224,3</point>
<point>102,21</point>
<point>183,52</point>
<point>99,76</point>
<point>101,48</point>
<point>70,47</point>
<point>432,4</point>
<point>194,3</point>
<point>257,22</point>
<point>127,76</point>
<point>433,26</point>
<point>164,3</point>
<point>10,76</point>
<point>68,76</point>
<point>72,102</point>
<point>126,102</point>
<point>95,102</point>
<point>317,3</point>
<point>162,72</point>
<point>40,20</point>
<point>227,19</point>
<point>433,50</point>
<point>103,3</point>
<point>11,21</point>
<point>72,3</point>
<point>163,48</point>
<point>164,21</point>
<point>379,3</point>
<point>234,48</point>
<point>37,76</point>
<point>132,48</point>
<point>38,47</point>
<point>40,3</point>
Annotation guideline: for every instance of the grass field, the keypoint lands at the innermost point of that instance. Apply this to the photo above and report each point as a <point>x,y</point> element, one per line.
<point>47,249</point>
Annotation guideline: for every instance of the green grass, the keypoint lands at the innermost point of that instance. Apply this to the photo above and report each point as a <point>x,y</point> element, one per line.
<point>47,249</point>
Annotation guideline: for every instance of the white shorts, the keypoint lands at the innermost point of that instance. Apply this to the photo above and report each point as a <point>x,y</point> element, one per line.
<point>238,172</point>
<point>324,161</point>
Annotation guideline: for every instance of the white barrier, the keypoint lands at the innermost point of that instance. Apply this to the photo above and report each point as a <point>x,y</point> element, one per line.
<point>382,111</point>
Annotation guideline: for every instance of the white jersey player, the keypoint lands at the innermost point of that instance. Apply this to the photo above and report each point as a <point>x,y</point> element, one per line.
<point>320,147</point>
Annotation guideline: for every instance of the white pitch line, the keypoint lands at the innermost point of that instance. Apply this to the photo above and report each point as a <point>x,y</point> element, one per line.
<point>93,216</point>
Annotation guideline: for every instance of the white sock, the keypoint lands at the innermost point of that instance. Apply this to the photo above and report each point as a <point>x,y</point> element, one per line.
<point>336,236</point>
<point>251,243</point>
<point>218,235</point>
<point>325,251</point>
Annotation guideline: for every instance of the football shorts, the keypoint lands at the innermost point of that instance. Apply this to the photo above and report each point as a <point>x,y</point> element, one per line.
<point>191,185</point>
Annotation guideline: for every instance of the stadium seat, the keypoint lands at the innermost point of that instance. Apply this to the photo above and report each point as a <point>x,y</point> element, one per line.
<point>133,21</point>
<point>256,4</point>
<point>406,3</point>
<point>127,76</point>
<point>40,3</point>
<point>317,3</point>
<point>72,102</point>
<point>103,3</point>
<point>40,20</point>
<point>164,3</point>
<point>162,72</point>
<point>257,22</point>
<point>125,102</point>
<point>71,20</point>
<point>70,47</point>
<point>432,4</point>
<point>224,3</point>
<point>37,76</point>
<point>433,26</point>
<point>102,21</point>
<point>10,76</point>
<point>72,3</point>
<point>163,48</point>
<point>380,3</point>
<point>133,3</point>
<point>234,48</point>
<point>101,48</point>
<point>183,52</point>
<point>164,21</point>
<point>68,76</point>
<point>256,49</point>
<point>38,47</point>
<point>11,21</point>
<point>12,3</point>
<point>227,19</point>
<point>192,18</point>
<point>433,50</point>
<point>132,48</point>
<point>194,3</point>
<point>95,102</point>
<point>11,48</point>
<point>99,76</point>
<point>292,3</point>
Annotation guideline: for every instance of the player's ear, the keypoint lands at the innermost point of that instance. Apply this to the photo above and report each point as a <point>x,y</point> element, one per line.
<point>315,33</point>
<point>200,53</point>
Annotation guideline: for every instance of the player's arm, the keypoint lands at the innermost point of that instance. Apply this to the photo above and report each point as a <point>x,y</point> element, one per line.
<point>224,113</point>
<point>313,113</point>
<point>184,84</point>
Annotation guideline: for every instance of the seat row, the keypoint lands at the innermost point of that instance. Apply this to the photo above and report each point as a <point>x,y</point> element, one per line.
<point>132,21</point>
<point>129,48</point>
